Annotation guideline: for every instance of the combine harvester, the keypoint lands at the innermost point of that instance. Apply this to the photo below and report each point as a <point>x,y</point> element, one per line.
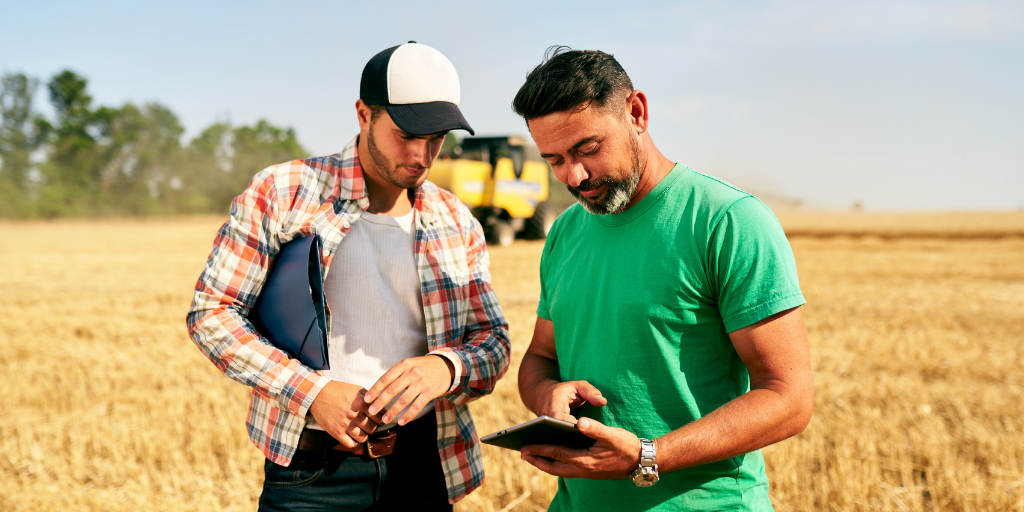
<point>504,182</point>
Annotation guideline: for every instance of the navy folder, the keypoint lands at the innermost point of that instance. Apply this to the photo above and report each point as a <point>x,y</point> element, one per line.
<point>290,310</point>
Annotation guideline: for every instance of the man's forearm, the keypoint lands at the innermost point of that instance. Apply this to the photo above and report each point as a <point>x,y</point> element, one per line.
<point>749,422</point>
<point>536,373</point>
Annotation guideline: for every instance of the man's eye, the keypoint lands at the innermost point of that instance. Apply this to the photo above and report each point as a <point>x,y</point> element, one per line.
<point>589,150</point>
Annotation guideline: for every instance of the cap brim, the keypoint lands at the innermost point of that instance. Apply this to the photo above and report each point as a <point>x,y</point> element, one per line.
<point>427,118</point>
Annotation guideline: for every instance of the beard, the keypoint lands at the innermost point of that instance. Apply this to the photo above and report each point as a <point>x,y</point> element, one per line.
<point>618,193</point>
<point>390,171</point>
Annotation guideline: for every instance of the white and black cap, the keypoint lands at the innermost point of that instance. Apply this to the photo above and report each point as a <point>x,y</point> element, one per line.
<point>418,86</point>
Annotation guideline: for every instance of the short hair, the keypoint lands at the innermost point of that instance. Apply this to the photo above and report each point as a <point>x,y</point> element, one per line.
<point>376,111</point>
<point>568,80</point>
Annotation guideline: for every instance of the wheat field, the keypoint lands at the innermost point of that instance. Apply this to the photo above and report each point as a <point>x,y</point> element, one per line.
<point>916,326</point>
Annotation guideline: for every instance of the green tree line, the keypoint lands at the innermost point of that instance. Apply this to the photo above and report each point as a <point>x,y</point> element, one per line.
<point>88,161</point>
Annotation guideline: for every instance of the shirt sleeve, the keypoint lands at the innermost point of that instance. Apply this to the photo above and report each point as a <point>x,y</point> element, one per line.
<point>752,265</point>
<point>227,289</point>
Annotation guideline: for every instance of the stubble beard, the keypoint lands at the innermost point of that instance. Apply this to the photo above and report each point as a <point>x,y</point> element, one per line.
<point>383,166</point>
<point>619,192</point>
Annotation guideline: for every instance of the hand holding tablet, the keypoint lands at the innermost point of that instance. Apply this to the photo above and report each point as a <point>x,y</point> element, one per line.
<point>540,430</point>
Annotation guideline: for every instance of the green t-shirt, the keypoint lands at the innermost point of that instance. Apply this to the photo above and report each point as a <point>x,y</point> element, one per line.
<point>642,303</point>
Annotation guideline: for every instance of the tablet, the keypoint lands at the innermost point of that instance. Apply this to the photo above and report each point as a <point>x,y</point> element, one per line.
<point>540,430</point>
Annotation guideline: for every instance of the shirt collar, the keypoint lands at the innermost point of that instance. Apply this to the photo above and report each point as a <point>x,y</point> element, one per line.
<point>353,184</point>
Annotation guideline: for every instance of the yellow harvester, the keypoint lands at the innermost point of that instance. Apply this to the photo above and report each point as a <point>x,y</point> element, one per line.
<point>504,182</point>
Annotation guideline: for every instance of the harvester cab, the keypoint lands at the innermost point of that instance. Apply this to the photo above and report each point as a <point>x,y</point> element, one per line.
<point>504,182</point>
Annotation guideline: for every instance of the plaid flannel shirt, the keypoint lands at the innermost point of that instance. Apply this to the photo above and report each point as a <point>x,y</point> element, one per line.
<point>325,196</point>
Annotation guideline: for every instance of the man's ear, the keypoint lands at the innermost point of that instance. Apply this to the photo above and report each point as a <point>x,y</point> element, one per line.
<point>636,109</point>
<point>363,115</point>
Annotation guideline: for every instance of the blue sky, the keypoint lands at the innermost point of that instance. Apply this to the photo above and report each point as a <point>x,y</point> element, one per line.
<point>898,105</point>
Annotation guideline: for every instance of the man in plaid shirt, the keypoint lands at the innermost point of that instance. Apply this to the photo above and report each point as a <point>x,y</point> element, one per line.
<point>415,328</point>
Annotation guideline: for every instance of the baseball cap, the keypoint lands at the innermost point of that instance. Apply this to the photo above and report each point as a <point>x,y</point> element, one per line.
<point>418,86</point>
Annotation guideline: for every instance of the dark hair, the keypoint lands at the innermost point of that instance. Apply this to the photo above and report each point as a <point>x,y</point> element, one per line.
<point>376,111</point>
<point>570,79</point>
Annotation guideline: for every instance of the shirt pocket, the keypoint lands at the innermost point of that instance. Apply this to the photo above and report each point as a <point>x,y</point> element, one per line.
<point>451,271</point>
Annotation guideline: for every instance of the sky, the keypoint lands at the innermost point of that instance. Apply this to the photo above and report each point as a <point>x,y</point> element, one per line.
<point>893,105</point>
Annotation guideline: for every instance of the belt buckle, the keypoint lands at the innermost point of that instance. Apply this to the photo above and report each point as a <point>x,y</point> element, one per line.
<point>387,445</point>
<point>369,451</point>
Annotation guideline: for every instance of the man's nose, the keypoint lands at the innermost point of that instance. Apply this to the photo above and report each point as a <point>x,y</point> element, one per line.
<point>576,174</point>
<point>421,153</point>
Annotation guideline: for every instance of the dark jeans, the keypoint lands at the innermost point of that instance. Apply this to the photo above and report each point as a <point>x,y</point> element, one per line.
<point>409,479</point>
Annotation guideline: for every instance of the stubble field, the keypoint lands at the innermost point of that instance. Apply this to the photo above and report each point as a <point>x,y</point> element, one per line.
<point>916,326</point>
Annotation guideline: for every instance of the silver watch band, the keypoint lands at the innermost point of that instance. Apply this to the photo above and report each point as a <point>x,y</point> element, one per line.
<point>647,453</point>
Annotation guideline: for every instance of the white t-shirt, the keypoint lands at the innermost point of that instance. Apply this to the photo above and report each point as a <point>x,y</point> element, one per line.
<point>373,291</point>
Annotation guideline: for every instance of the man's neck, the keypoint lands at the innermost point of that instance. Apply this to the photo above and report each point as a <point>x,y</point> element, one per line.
<point>389,204</point>
<point>655,167</point>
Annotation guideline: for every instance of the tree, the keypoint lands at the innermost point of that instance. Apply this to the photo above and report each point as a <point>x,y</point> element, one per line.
<point>124,160</point>
<point>73,171</point>
<point>208,183</point>
<point>142,155</point>
<point>263,144</point>
<point>222,159</point>
<point>22,131</point>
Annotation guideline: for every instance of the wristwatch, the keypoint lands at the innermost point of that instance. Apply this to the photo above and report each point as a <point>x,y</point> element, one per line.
<point>646,473</point>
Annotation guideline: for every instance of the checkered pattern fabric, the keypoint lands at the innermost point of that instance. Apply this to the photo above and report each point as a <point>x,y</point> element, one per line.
<point>325,196</point>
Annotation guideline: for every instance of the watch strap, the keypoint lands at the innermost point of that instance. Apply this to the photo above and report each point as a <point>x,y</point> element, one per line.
<point>647,453</point>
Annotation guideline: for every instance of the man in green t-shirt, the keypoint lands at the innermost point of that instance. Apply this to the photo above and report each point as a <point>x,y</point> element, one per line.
<point>669,309</point>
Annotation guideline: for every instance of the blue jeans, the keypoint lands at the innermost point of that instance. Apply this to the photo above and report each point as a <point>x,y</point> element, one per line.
<point>409,479</point>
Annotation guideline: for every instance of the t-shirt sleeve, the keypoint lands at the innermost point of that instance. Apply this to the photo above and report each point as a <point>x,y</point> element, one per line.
<point>544,307</point>
<point>752,265</point>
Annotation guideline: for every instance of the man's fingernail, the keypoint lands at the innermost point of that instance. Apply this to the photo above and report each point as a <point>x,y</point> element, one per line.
<point>373,409</point>
<point>402,421</point>
<point>386,419</point>
<point>367,398</point>
<point>584,423</point>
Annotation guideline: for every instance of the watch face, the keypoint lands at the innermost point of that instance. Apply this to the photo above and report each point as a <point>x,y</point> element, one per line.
<point>644,478</point>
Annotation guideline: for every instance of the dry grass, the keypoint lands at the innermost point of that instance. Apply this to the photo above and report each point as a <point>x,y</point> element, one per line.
<point>916,343</point>
<point>966,225</point>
